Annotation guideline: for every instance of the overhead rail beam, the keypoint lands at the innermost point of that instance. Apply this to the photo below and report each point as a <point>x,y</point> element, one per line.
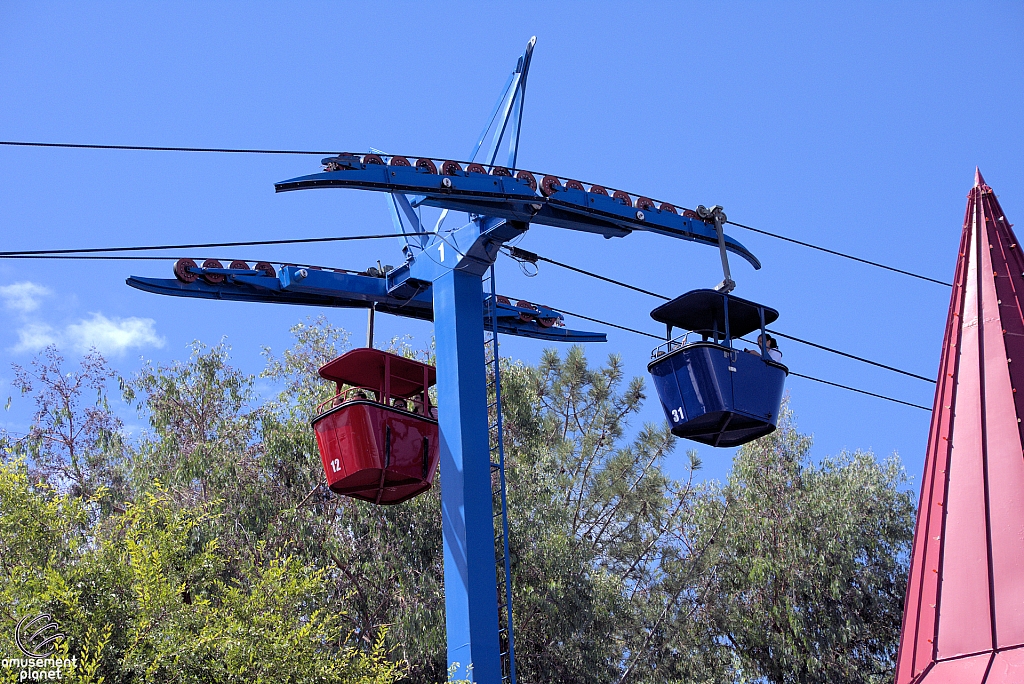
<point>515,195</point>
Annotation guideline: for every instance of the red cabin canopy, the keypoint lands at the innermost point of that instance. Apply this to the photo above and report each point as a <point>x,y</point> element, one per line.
<point>371,368</point>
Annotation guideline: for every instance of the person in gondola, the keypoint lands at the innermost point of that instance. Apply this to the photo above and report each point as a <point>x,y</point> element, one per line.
<point>767,341</point>
<point>417,408</point>
<point>340,399</point>
<point>400,404</point>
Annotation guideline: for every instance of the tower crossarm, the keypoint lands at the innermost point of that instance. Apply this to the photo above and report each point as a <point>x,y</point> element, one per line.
<point>514,195</point>
<point>394,292</point>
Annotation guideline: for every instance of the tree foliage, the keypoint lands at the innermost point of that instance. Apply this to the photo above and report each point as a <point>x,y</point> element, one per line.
<point>811,564</point>
<point>72,443</point>
<point>207,549</point>
<point>607,582</point>
<point>146,598</point>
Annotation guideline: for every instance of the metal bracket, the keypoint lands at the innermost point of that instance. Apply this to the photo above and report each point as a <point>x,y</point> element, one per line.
<point>718,217</point>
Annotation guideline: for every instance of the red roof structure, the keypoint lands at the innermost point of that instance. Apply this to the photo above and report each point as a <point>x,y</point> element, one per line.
<point>964,614</point>
<point>394,375</point>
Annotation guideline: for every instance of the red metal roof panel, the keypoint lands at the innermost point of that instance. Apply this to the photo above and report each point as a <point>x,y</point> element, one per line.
<point>966,588</point>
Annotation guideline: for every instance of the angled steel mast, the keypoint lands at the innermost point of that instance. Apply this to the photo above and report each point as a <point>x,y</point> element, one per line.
<point>441,280</point>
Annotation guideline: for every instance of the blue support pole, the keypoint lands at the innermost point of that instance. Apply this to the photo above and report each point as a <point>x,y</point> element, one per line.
<point>471,608</point>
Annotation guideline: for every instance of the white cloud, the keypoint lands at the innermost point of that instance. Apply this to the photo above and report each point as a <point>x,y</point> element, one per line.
<point>35,336</point>
<point>112,336</point>
<point>24,296</point>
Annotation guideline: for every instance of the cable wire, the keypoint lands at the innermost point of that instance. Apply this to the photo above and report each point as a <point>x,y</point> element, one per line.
<point>845,387</point>
<point>612,325</point>
<point>522,255</point>
<point>198,245</point>
<point>513,250</point>
<point>519,255</point>
<point>197,259</point>
<point>83,257</point>
<point>851,356</point>
<point>798,375</point>
<point>840,254</point>
<point>860,391</point>
<point>154,148</point>
<point>248,151</point>
<point>563,311</point>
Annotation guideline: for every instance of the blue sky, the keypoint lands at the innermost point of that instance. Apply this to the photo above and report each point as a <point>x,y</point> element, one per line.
<point>856,127</point>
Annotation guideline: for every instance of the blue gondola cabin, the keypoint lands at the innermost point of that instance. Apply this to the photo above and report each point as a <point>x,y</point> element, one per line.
<point>378,434</point>
<point>711,391</point>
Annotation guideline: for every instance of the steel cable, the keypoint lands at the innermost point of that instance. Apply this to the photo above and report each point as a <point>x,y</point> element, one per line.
<point>860,391</point>
<point>198,245</point>
<point>66,253</point>
<point>516,253</point>
<point>233,150</point>
<point>197,259</point>
<point>37,255</point>
<point>523,255</point>
<point>612,325</point>
<point>797,375</point>
<point>852,356</point>
<point>840,254</point>
<point>154,148</point>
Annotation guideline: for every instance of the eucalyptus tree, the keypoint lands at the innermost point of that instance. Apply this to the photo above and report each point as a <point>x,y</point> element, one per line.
<point>74,442</point>
<point>609,574</point>
<point>810,566</point>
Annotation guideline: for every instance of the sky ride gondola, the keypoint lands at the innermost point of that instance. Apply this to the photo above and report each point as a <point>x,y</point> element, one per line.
<point>711,391</point>
<point>378,434</point>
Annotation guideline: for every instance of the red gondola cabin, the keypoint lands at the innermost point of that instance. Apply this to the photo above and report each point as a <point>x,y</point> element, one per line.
<point>378,435</point>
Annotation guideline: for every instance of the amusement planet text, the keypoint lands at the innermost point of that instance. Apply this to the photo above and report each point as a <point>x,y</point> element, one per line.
<point>39,669</point>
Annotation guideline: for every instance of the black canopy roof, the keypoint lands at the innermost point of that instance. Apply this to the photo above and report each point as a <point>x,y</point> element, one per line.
<point>700,310</point>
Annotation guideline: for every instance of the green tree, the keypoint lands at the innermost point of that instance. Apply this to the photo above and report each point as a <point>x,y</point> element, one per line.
<point>257,467</point>
<point>209,549</point>
<point>605,575</point>
<point>73,444</point>
<point>144,598</point>
<point>208,446</point>
<point>608,572</point>
<point>810,566</point>
<point>202,424</point>
<point>384,563</point>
